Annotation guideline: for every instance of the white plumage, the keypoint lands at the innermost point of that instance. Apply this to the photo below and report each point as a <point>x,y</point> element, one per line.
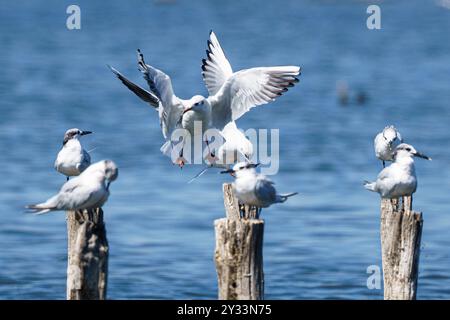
<point>385,143</point>
<point>72,159</point>
<point>232,94</point>
<point>255,189</point>
<point>87,191</point>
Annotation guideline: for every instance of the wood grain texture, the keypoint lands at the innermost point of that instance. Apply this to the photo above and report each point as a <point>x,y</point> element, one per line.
<point>401,231</point>
<point>87,268</point>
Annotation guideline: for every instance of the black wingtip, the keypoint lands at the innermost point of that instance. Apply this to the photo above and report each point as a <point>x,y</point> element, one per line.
<point>210,31</point>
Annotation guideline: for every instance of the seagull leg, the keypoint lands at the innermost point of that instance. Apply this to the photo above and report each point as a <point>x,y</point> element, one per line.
<point>181,161</point>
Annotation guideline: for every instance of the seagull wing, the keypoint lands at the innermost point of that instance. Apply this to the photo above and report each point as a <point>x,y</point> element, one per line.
<point>85,162</point>
<point>215,68</point>
<point>250,88</point>
<point>137,90</point>
<point>171,107</point>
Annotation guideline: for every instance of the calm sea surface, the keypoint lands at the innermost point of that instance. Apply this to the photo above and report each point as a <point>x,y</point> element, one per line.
<point>317,245</point>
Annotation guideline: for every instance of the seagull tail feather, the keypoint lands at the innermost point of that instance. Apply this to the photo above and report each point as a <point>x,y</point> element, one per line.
<point>39,209</point>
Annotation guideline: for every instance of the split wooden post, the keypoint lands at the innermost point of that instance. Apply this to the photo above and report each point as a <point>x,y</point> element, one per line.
<point>87,268</point>
<point>401,231</point>
<point>238,253</point>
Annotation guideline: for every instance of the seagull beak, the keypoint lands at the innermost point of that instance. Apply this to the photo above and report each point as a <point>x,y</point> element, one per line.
<point>421,155</point>
<point>83,133</point>
<point>230,171</point>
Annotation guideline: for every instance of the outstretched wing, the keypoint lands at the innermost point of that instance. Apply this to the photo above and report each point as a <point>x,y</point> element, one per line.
<point>250,88</point>
<point>216,68</point>
<point>137,90</point>
<point>161,85</point>
<point>264,190</point>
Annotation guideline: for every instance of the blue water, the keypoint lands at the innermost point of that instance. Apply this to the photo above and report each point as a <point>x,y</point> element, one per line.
<point>160,229</point>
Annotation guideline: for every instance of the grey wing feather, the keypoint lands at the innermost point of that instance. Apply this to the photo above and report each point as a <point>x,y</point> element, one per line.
<point>137,90</point>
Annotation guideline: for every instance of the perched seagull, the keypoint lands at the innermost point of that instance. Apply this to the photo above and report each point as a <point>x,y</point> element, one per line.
<point>254,189</point>
<point>399,179</point>
<point>385,143</point>
<point>72,159</point>
<point>89,190</point>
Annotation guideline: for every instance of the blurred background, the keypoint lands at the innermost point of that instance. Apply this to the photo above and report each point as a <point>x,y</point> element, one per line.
<point>319,244</point>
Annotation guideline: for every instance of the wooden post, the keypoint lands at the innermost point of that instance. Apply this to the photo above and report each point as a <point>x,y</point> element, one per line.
<point>239,253</point>
<point>401,231</point>
<point>87,268</point>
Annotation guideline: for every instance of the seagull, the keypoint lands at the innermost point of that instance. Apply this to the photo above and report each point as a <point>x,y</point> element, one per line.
<point>232,94</point>
<point>385,143</point>
<point>89,190</point>
<point>399,179</point>
<point>173,112</point>
<point>254,189</point>
<point>72,159</point>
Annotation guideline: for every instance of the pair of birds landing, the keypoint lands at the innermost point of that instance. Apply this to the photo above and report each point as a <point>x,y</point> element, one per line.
<point>90,187</point>
<point>398,179</point>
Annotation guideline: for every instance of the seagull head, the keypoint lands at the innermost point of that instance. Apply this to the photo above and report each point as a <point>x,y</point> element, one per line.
<point>197,103</point>
<point>74,133</point>
<point>242,168</point>
<point>407,150</point>
<point>111,171</point>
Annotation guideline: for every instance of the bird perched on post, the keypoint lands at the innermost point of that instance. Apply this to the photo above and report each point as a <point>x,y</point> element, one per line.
<point>72,159</point>
<point>399,179</point>
<point>89,190</point>
<point>254,189</point>
<point>385,143</point>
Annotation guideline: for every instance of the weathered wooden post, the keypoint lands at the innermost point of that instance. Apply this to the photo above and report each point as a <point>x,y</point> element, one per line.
<point>87,268</point>
<point>239,253</point>
<point>401,231</point>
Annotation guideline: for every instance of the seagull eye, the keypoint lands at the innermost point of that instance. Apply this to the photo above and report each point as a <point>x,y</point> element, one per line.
<point>408,149</point>
<point>241,168</point>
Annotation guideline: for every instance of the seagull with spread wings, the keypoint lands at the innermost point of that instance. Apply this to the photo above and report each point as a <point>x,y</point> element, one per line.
<point>232,94</point>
